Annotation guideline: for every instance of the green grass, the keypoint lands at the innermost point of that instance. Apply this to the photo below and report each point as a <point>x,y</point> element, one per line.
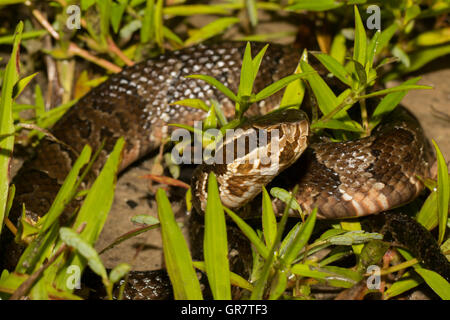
<point>131,30</point>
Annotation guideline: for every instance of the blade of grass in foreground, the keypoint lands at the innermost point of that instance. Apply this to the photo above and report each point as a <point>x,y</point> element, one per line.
<point>442,193</point>
<point>176,253</point>
<point>10,78</point>
<point>215,245</point>
<point>96,206</point>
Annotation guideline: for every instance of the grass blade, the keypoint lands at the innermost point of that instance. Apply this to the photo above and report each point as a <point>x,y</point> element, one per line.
<point>269,221</point>
<point>442,192</point>
<point>210,30</point>
<point>277,86</point>
<point>249,233</point>
<point>214,82</point>
<point>359,51</point>
<point>334,67</point>
<point>176,253</point>
<point>436,282</point>
<point>10,78</point>
<point>301,239</point>
<point>215,245</point>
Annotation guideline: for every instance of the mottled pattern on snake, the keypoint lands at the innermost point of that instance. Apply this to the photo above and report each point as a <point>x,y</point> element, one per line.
<point>135,104</point>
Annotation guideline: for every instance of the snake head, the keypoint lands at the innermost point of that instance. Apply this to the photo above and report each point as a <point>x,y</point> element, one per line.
<point>250,156</point>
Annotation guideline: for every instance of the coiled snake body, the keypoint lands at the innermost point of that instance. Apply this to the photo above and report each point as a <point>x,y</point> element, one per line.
<point>346,179</point>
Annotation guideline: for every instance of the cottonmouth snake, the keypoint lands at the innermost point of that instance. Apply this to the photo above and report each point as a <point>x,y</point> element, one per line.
<point>346,179</point>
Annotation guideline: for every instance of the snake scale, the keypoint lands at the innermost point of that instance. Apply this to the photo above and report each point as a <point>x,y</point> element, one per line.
<point>347,179</point>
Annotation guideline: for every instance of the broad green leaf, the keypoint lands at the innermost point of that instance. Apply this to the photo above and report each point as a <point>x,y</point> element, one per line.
<point>148,26</point>
<point>247,74</point>
<point>280,84</point>
<point>306,270</point>
<point>301,239</point>
<point>436,282</point>
<point>315,5</point>
<point>145,219</point>
<point>422,57</point>
<point>402,87</point>
<point>338,125</point>
<point>442,192</point>
<point>128,235</point>
<point>9,282</point>
<point>117,10</point>
<point>235,279</point>
<point>215,247</point>
<point>432,38</point>
<point>25,36</point>
<point>210,30</point>
<point>176,253</point>
<point>188,10</point>
<point>385,37</point>
<point>338,48</point>
<point>96,206</point>
<point>66,192</point>
<point>286,197</point>
<point>269,221</point>
<point>360,46</point>
<point>405,283</point>
<point>428,214</point>
<point>267,37</point>
<point>119,272</point>
<point>354,237</point>
<point>74,240</point>
<point>158,21</point>
<point>104,8</point>
<point>371,50</point>
<point>279,285</point>
<point>100,196</point>
<point>295,91</point>
<point>214,82</point>
<point>252,12</point>
<point>168,34</point>
<point>10,78</point>
<point>401,55</point>
<point>334,67</point>
<point>388,103</point>
<point>249,233</point>
<point>192,103</point>
<point>325,97</point>
<point>256,62</point>
<point>22,83</point>
<point>210,121</point>
<point>265,270</point>
<point>353,226</point>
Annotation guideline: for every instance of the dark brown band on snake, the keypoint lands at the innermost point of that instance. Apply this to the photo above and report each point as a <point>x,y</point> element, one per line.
<point>135,104</point>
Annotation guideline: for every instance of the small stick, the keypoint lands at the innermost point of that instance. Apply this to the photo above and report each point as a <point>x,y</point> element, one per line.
<point>119,52</point>
<point>74,49</point>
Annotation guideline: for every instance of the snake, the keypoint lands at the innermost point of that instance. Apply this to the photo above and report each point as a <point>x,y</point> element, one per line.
<point>346,179</point>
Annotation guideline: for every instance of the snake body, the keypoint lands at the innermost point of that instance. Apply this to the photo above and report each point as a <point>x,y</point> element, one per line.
<point>347,179</point>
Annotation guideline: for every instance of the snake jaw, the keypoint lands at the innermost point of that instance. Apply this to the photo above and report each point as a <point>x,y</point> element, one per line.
<point>262,148</point>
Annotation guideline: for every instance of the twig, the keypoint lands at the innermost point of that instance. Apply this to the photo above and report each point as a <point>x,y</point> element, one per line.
<point>44,22</point>
<point>10,226</point>
<point>27,284</point>
<point>73,48</point>
<point>76,50</point>
<point>119,53</point>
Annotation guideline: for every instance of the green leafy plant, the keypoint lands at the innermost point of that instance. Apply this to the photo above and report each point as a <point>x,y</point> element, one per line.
<point>43,270</point>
